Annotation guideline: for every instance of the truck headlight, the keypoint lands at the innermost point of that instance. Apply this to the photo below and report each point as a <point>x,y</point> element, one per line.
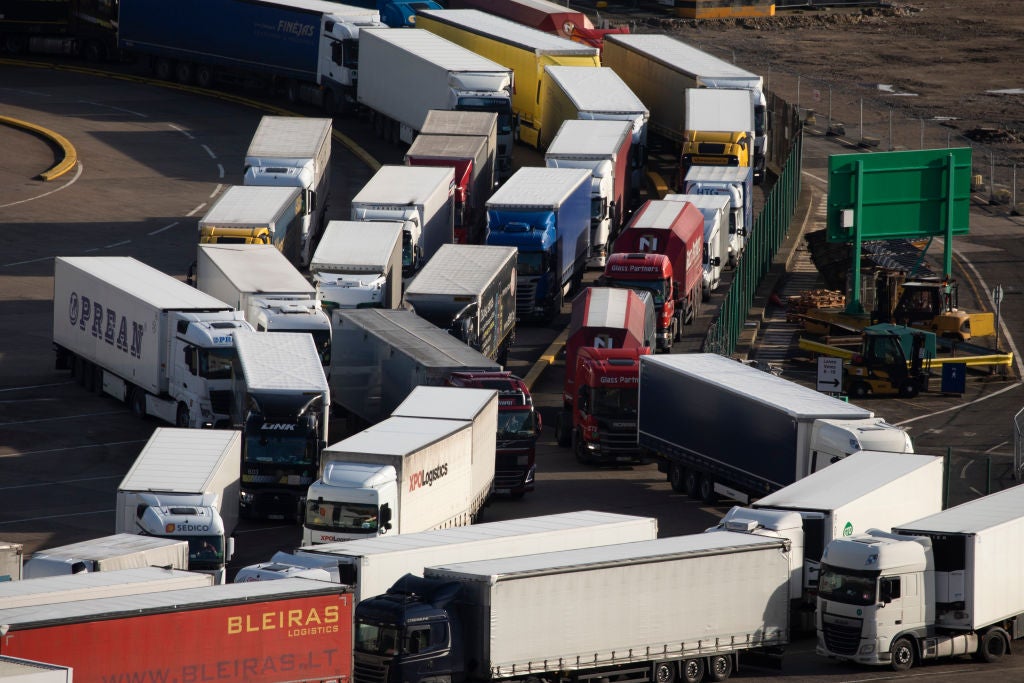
<point>867,649</point>
<point>245,498</point>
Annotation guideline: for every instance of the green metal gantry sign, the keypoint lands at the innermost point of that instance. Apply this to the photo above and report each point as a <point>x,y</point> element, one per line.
<point>890,195</point>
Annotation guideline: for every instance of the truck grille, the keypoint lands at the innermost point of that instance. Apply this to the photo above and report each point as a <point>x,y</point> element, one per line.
<point>841,638</point>
<point>220,402</point>
<point>368,671</point>
<point>525,294</point>
<point>511,478</point>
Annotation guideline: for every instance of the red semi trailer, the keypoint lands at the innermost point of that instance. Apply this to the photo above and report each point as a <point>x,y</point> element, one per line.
<point>259,632</point>
<point>542,15</point>
<point>660,251</point>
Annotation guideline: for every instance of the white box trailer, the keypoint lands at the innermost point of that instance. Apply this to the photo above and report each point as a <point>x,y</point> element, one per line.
<point>11,559</point>
<point>294,151</point>
<point>401,475</point>
<point>647,610</point>
<point>478,407</point>
<point>358,265</point>
<point>91,586</point>
<point>869,489</point>
<point>184,484</point>
<point>419,198</point>
<point>405,73</point>
<point>715,208</point>
<point>124,328</point>
<point>943,585</point>
<point>372,565</point>
<point>17,670</point>
<point>120,551</point>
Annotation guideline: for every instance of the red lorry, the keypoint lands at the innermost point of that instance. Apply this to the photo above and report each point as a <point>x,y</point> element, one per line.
<point>542,15</point>
<point>468,155</point>
<point>609,330</point>
<point>263,631</point>
<point>660,251</point>
<point>519,425</point>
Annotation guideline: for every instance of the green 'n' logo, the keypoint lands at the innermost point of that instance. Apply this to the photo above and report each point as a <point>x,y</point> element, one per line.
<point>848,529</point>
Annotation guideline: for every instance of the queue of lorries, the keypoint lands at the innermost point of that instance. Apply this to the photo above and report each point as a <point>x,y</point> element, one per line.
<point>403,326</point>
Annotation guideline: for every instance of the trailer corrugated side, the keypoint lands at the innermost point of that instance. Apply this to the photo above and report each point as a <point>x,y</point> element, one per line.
<point>379,562</point>
<point>378,356</point>
<point>746,426</point>
<point>670,598</point>
<point>260,632</point>
<point>48,590</point>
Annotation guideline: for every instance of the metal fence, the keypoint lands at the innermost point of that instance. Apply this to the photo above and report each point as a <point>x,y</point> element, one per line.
<point>770,229</point>
<point>1018,444</point>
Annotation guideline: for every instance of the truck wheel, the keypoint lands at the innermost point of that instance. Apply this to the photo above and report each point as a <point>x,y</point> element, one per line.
<point>993,646</point>
<point>204,76</point>
<point>693,670</point>
<point>163,69</point>
<point>563,433</point>
<point>677,477</point>
<point>183,420</point>
<point>577,448</point>
<point>719,667</point>
<point>859,390</point>
<point>902,654</point>
<point>292,92</point>
<point>908,389</point>
<point>138,402</point>
<point>665,672</point>
<point>184,72</point>
<point>679,329</point>
<point>692,485</point>
<point>707,490</point>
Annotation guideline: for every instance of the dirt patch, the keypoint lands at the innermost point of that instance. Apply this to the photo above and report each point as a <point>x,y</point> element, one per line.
<point>929,73</point>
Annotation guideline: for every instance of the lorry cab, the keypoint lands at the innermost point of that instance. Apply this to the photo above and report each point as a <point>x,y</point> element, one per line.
<point>604,411</point>
<point>201,357</point>
<point>294,315</point>
<point>199,523</point>
<point>834,439</point>
<point>652,274</point>
<point>874,587</point>
<point>350,501</point>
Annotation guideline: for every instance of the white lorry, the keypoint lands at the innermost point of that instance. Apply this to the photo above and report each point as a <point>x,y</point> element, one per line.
<point>143,337</point>
<point>736,183</point>
<point>49,590</point>
<point>715,208</point>
<point>475,123</point>
<point>184,484</point>
<point>108,553</point>
<point>371,565</point>
<point>243,214</point>
<point>719,427</point>
<point>940,586</point>
<point>661,610</point>
<point>401,475</point>
<point>865,490</point>
<point>404,73</point>
<point>598,93</point>
<point>11,559</point>
<point>358,266</point>
<point>282,405</point>
<point>659,68</point>
<point>259,281</point>
<point>601,147</point>
<point>419,198</point>
<point>294,151</point>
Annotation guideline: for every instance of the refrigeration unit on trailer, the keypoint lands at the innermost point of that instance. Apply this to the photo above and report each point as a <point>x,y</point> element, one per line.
<point>358,265</point>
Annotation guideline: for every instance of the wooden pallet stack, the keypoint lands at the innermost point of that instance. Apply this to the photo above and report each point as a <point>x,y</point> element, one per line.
<point>798,305</point>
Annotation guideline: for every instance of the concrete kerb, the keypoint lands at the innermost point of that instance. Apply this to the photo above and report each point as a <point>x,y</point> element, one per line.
<point>69,157</point>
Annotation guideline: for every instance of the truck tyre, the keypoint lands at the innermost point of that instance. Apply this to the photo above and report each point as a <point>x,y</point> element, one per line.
<point>163,69</point>
<point>707,490</point>
<point>665,672</point>
<point>204,76</point>
<point>908,389</point>
<point>902,654</point>
<point>578,449</point>
<point>719,667</point>
<point>183,420</point>
<point>137,401</point>
<point>184,72</point>
<point>692,484</point>
<point>679,328</point>
<point>677,477</point>
<point>993,646</point>
<point>291,90</point>
<point>563,430</point>
<point>693,670</point>
<point>859,390</point>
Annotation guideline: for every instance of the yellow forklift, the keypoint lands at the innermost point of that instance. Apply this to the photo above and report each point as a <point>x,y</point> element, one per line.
<point>894,360</point>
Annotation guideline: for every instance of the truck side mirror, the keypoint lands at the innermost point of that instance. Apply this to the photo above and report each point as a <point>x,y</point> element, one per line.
<point>230,550</point>
<point>539,423</point>
<point>385,516</point>
<point>716,261</point>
